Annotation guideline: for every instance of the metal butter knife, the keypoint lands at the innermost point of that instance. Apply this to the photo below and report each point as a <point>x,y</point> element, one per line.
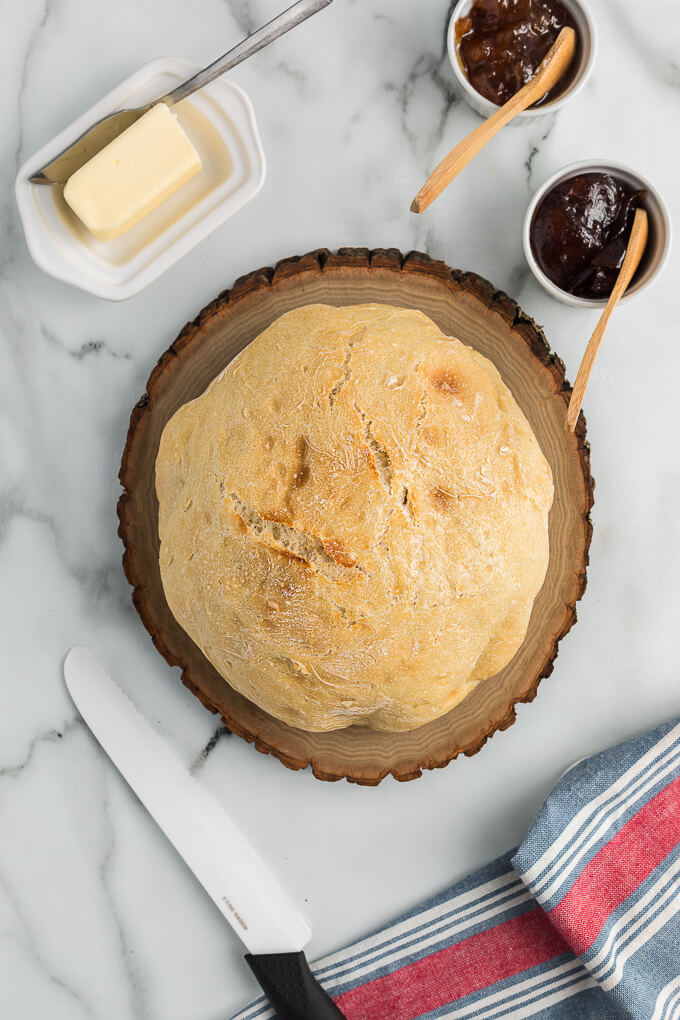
<point>105,130</point>
<point>236,879</point>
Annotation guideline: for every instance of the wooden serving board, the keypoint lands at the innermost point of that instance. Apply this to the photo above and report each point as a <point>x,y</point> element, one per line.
<point>462,305</point>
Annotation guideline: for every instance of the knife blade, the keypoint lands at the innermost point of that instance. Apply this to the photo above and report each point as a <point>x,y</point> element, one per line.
<point>240,884</point>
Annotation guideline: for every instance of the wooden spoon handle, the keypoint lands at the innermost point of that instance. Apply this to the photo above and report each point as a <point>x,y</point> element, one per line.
<point>461,154</point>
<point>549,72</point>
<point>634,252</point>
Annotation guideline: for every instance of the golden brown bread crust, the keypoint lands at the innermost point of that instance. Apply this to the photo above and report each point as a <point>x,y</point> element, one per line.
<point>354,519</point>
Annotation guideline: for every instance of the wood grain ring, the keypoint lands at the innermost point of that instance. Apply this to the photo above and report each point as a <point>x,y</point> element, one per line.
<point>463,305</point>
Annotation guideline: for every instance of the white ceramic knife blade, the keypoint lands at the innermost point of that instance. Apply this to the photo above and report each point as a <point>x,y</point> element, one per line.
<point>236,879</point>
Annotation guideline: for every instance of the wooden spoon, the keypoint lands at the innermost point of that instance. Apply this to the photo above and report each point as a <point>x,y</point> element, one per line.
<point>549,71</point>
<point>634,252</point>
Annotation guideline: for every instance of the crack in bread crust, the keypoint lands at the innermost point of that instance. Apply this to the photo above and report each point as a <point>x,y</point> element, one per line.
<point>345,371</point>
<point>325,556</point>
<point>381,458</point>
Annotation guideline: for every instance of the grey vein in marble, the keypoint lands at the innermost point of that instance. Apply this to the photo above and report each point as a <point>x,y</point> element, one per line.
<point>126,953</point>
<point>12,506</point>
<point>103,586</point>
<point>31,950</point>
<point>52,736</point>
<point>244,16</point>
<point>28,54</point>
<point>298,77</point>
<point>99,584</point>
<point>518,276</point>
<point>434,68</point>
<point>95,347</point>
<point>9,218</point>
<point>535,148</point>
<point>88,347</point>
<point>427,67</point>
<point>204,754</point>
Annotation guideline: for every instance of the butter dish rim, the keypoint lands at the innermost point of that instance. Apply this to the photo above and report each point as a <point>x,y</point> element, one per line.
<point>42,245</point>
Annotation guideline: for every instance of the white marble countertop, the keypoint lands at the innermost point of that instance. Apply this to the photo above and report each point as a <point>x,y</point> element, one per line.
<point>98,916</point>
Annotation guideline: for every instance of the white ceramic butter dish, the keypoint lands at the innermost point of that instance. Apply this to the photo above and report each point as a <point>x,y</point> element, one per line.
<point>220,122</point>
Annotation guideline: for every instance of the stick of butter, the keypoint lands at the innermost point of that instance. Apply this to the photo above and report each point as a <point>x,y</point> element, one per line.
<point>133,174</point>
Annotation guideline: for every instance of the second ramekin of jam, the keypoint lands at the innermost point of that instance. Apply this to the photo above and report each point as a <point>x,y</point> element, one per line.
<point>580,219</point>
<point>487,11</point>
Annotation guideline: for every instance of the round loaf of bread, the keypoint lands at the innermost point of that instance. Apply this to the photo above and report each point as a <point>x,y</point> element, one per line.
<point>354,519</point>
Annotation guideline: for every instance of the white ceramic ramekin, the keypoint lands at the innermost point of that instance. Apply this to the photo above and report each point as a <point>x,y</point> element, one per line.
<point>660,231</point>
<point>588,40</point>
<point>220,121</point>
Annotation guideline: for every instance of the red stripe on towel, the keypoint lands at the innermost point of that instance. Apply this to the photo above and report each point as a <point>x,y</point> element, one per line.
<point>452,973</point>
<point>616,871</point>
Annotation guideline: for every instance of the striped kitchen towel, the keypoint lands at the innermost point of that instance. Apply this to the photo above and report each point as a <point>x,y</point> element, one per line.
<point>581,922</point>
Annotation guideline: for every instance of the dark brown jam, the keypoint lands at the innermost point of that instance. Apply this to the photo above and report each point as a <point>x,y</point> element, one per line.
<point>580,231</point>
<point>502,42</point>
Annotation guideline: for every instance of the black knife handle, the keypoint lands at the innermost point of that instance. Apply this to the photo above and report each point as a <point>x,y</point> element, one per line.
<point>290,986</point>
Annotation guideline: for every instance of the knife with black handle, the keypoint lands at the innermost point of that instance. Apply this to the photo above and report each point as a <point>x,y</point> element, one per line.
<point>229,869</point>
